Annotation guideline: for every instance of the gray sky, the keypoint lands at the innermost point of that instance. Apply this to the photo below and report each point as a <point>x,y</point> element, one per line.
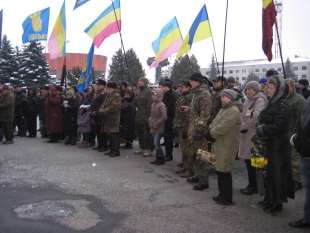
<point>142,21</point>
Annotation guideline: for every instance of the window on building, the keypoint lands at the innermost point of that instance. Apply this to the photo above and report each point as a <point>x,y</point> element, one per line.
<point>256,70</point>
<point>250,71</point>
<point>295,67</point>
<point>304,76</point>
<point>304,68</point>
<point>279,69</point>
<point>237,78</point>
<point>264,69</point>
<point>243,78</point>
<point>224,71</point>
<point>231,71</point>
<point>237,71</point>
<point>272,68</point>
<point>243,71</point>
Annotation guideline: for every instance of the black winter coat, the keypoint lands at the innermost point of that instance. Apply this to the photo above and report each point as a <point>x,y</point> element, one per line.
<point>302,137</point>
<point>41,109</point>
<point>96,102</point>
<point>20,104</point>
<point>170,98</point>
<point>69,116</point>
<point>33,104</point>
<point>274,122</point>
<point>127,121</point>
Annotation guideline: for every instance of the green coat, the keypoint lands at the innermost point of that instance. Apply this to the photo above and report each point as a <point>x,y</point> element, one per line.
<point>7,104</point>
<point>143,104</point>
<point>111,112</point>
<point>199,112</point>
<point>296,103</point>
<point>181,119</point>
<point>225,129</point>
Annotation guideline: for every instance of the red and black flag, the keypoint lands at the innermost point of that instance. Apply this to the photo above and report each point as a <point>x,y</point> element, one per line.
<point>269,19</point>
<point>64,72</point>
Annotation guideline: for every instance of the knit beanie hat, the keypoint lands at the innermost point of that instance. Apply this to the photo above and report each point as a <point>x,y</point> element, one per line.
<point>230,94</point>
<point>71,92</point>
<point>304,82</point>
<point>168,83</point>
<point>254,85</point>
<point>145,80</point>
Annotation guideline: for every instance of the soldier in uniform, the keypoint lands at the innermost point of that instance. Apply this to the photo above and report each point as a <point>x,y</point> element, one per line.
<point>143,102</point>
<point>180,126</point>
<point>199,109</point>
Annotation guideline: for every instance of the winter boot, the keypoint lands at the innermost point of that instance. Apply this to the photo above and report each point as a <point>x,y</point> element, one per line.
<point>84,144</point>
<point>140,151</point>
<point>161,160</point>
<point>155,161</point>
<point>147,153</point>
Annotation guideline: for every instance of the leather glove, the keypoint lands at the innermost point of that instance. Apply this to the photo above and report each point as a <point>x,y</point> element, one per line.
<point>209,137</point>
<point>244,131</point>
<point>184,134</point>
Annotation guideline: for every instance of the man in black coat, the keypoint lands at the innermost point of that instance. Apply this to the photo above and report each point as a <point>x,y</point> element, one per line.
<point>19,112</point>
<point>170,98</point>
<point>304,86</point>
<point>32,110</point>
<point>301,141</point>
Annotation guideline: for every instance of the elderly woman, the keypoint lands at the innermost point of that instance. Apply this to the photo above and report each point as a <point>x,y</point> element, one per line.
<point>273,126</point>
<point>225,131</point>
<point>253,105</point>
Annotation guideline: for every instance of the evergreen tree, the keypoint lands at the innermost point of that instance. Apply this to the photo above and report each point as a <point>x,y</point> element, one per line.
<point>183,68</point>
<point>34,69</point>
<point>6,61</point>
<point>118,69</point>
<point>74,75</point>
<point>251,77</point>
<point>213,69</point>
<point>289,69</point>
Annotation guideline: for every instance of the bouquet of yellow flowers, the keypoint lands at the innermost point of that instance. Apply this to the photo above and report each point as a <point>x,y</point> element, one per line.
<point>259,159</point>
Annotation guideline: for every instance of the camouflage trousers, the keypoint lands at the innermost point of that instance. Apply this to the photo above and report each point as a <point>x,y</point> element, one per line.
<point>201,168</point>
<point>146,140</point>
<point>295,158</point>
<point>185,145</point>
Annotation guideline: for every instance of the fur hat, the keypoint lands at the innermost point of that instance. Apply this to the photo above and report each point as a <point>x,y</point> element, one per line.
<point>304,82</point>
<point>101,82</point>
<point>112,84</point>
<point>254,85</point>
<point>145,80</point>
<point>71,93</point>
<point>168,83</point>
<point>230,94</point>
<point>128,91</point>
<point>290,82</point>
<point>6,87</point>
<point>124,83</point>
<point>197,77</point>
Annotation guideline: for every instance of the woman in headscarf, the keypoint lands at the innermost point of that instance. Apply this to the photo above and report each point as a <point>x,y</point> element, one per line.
<point>273,128</point>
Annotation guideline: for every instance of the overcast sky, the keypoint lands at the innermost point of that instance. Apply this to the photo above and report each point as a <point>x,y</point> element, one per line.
<point>142,21</point>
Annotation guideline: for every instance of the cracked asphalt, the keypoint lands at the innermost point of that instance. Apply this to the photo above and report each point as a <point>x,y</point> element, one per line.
<point>56,188</point>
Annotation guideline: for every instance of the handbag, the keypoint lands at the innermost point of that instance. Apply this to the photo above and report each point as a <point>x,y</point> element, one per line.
<point>206,156</point>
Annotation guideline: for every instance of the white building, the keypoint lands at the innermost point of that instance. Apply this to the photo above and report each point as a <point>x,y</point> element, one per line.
<point>241,69</point>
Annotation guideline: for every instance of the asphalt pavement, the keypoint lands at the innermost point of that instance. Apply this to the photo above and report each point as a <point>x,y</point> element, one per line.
<point>56,188</point>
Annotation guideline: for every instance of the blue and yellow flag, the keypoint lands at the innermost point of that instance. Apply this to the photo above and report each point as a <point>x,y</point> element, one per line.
<point>36,26</point>
<point>86,76</point>
<point>79,3</point>
<point>1,13</point>
<point>199,30</point>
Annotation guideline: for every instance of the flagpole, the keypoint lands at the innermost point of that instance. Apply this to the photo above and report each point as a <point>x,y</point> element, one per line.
<point>120,35</point>
<point>224,44</point>
<point>217,65</point>
<point>280,49</point>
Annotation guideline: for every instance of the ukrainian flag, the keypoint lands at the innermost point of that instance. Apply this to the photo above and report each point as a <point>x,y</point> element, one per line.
<point>199,30</point>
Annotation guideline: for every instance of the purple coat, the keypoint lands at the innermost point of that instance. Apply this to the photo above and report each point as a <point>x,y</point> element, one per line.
<point>83,121</point>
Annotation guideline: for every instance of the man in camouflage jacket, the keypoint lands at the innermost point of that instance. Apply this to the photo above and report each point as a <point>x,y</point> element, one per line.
<point>199,115</point>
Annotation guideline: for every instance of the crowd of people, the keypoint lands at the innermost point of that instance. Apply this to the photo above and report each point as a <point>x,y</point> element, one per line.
<point>217,116</point>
